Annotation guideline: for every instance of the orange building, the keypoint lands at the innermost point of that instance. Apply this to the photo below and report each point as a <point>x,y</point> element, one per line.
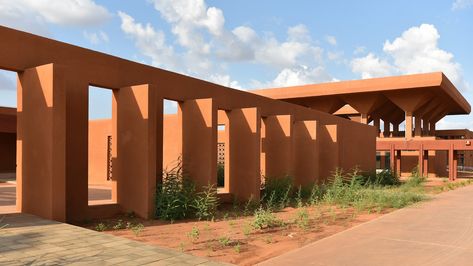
<point>419,101</point>
<point>59,152</point>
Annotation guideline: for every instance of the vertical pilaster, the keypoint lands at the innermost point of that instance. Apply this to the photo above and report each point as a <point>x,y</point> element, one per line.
<point>306,152</point>
<point>398,162</point>
<point>139,138</point>
<point>386,131</point>
<point>277,146</point>
<point>199,141</point>
<point>376,124</point>
<point>395,132</point>
<point>408,132</point>
<point>392,158</point>
<point>41,142</point>
<point>420,162</point>
<point>418,127</point>
<point>425,127</point>
<point>243,151</point>
<point>432,128</point>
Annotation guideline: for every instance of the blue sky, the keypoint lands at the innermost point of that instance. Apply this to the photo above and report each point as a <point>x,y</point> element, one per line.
<point>253,44</point>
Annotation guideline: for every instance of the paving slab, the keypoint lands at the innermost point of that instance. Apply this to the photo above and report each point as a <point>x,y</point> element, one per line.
<point>435,232</point>
<point>29,240</point>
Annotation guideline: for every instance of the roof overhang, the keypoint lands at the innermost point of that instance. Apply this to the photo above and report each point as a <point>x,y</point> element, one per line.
<point>437,92</point>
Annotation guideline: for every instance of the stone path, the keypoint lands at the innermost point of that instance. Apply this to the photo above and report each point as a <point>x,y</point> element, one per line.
<point>29,240</point>
<point>436,232</point>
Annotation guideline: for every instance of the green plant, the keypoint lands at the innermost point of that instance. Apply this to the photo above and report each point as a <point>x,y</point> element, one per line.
<point>250,206</point>
<point>247,229</point>
<point>264,218</point>
<point>101,227</point>
<point>137,229</point>
<point>237,248</point>
<point>194,234</point>
<point>299,203</point>
<point>119,225</point>
<point>302,218</point>
<point>277,192</point>
<point>206,202</point>
<point>175,195</point>
<point>225,241</point>
<point>415,179</point>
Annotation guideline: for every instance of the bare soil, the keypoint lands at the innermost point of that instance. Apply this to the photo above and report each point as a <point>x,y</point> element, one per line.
<point>231,238</point>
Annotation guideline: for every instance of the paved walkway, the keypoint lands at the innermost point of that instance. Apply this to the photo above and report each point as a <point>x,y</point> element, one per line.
<point>437,232</point>
<point>29,240</point>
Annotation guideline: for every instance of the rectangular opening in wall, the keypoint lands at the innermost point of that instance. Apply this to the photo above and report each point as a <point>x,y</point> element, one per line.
<point>8,148</point>
<point>101,186</point>
<point>172,137</point>
<point>222,152</point>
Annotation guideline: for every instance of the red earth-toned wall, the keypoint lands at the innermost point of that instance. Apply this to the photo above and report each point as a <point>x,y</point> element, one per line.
<point>53,135</point>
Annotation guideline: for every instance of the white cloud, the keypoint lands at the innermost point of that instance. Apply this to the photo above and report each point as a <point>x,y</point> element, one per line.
<point>301,75</point>
<point>461,4</point>
<point>150,42</point>
<point>415,51</point>
<point>331,40</point>
<point>32,15</point>
<point>359,50</point>
<point>371,66</point>
<point>96,37</point>
<point>205,46</point>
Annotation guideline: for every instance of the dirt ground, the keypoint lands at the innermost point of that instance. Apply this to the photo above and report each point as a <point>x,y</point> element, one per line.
<point>232,239</point>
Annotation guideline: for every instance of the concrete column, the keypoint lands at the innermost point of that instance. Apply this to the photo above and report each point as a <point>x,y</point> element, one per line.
<point>387,129</point>
<point>432,128</point>
<point>277,146</point>
<point>139,138</point>
<point>426,163</point>
<point>199,141</point>
<point>395,130</point>
<point>392,158</point>
<point>77,120</point>
<point>398,162</point>
<point>329,155</point>
<point>306,152</point>
<point>452,163</point>
<point>425,127</point>
<point>41,142</point>
<point>408,132</point>
<point>243,151</point>
<point>418,127</point>
<point>364,118</point>
<point>376,124</point>
<point>420,162</point>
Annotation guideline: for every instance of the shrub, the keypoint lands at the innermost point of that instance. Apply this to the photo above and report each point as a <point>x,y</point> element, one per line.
<point>278,192</point>
<point>415,179</point>
<point>174,195</point>
<point>206,202</point>
<point>302,219</point>
<point>264,218</point>
<point>137,229</point>
<point>101,227</point>
<point>194,233</point>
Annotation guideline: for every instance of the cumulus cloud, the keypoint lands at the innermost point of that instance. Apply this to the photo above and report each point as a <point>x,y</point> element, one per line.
<point>415,51</point>
<point>96,37</point>
<point>331,40</point>
<point>371,66</point>
<point>461,4</point>
<point>32,15</point>
<point>206,46</point>
<point>150,42</point>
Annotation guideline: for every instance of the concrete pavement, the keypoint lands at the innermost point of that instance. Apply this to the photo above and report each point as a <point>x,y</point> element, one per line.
<point>29,240</point>
<point>436,232</point>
